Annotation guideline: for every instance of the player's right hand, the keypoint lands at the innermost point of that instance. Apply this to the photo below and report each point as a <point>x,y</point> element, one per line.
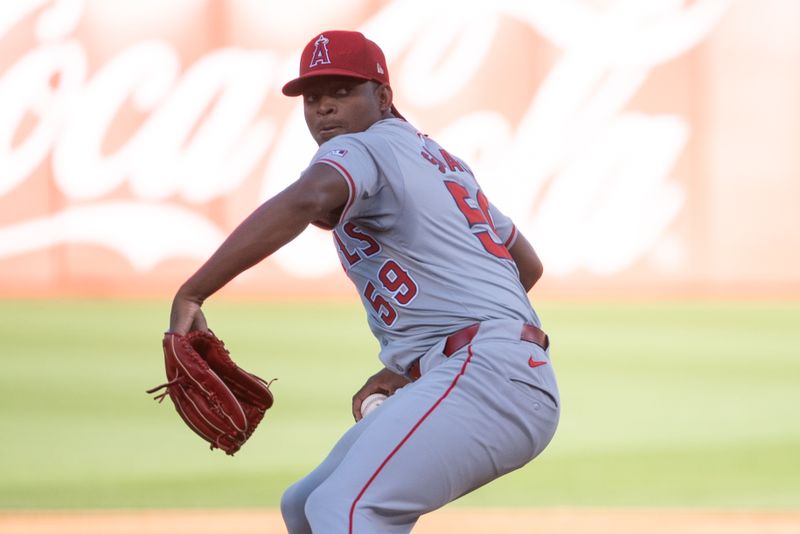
<point>384,381</point>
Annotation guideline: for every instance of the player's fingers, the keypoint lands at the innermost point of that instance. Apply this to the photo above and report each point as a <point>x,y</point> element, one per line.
<point>358,398</point>
<point>384,381</point>
<point>366,390</point>
<point>180,323</point>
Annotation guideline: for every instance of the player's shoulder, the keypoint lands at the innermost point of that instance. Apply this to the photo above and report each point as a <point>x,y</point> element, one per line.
<point>385,130</point>
<point>379,141</point>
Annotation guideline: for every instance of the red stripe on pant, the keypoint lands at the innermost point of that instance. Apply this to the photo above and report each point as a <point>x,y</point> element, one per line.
<point>408,436</point>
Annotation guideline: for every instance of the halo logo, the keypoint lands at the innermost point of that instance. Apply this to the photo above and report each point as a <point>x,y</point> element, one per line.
<point>320,56</point>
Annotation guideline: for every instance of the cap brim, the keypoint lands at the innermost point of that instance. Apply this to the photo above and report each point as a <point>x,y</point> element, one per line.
<point>295,87</point>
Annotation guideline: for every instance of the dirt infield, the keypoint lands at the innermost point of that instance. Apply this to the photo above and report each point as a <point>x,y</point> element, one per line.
<point>460,520</point>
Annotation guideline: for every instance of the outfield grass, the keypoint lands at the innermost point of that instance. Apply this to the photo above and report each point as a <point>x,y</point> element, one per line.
<point>668,404</point>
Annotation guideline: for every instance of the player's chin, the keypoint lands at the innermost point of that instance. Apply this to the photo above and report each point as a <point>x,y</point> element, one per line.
<point>322,136</point>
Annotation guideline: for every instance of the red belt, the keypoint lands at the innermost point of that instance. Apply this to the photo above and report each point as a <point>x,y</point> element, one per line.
<point>460,339</point>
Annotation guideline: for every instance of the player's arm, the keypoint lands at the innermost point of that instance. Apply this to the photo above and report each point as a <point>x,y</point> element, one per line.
<point>528,263</point>
<point>319,195</point>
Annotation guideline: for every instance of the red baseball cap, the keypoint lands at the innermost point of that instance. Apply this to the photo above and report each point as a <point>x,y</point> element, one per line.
<point>340,53</point>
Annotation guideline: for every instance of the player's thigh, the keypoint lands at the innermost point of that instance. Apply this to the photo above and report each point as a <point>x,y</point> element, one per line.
<point>442,437</point>
<point>294,498</point>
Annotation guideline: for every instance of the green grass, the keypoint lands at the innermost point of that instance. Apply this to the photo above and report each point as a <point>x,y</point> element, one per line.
<point>668,404</point>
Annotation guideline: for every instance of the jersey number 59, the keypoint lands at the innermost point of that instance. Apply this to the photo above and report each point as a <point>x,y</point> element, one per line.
<point>477,215</point>
<point>396,280</point>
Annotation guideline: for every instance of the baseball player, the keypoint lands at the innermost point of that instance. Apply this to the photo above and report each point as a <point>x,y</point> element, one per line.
<point>443,275</point>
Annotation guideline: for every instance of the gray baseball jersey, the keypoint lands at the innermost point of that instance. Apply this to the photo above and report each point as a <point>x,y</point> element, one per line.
<point>445,265</point>
<point>429,256</point>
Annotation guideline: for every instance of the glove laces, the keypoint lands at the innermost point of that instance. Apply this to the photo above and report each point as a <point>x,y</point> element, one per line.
<point>166,385</point>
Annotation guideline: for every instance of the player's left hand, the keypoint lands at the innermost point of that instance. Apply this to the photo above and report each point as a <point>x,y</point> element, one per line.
<point>384,381</point>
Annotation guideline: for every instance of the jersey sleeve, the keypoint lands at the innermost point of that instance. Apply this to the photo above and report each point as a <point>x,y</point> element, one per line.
<point>503,225</point>
<point>350,158</point>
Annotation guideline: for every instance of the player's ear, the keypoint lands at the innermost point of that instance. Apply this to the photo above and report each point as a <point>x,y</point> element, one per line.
<point>385,97</point>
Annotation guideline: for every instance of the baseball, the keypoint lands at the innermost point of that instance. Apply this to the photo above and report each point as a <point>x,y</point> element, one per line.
<point>371,402</point>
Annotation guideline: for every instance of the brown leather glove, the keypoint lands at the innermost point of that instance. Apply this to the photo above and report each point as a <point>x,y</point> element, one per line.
<point>218,400</point>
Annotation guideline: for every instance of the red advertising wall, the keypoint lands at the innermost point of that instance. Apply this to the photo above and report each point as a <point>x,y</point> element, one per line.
<point>643,147</point>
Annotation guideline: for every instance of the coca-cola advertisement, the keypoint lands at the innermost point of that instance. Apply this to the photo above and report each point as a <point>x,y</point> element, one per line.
<point>641,146</point>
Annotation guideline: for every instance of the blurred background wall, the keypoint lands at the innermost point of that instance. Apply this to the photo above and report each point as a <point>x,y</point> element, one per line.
<point>645,148</point>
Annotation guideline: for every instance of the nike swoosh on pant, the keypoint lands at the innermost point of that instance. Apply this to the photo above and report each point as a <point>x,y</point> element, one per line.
<point>534,363</point>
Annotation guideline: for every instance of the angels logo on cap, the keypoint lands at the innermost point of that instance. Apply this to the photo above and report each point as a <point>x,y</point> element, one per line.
<point>321,56</point>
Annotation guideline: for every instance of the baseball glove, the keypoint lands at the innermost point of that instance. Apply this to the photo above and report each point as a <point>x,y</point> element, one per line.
<point>218,400</point>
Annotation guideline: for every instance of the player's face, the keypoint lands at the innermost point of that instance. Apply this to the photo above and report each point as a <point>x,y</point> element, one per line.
<point>336,105</point>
